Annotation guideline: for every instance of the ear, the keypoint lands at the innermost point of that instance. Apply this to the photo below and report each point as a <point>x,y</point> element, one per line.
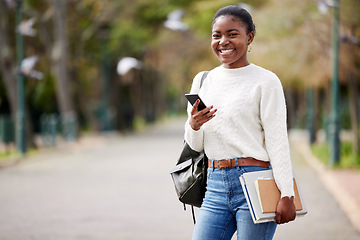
<point>251,36</point>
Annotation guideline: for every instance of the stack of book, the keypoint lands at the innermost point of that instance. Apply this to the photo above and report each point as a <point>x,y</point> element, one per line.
<point>262,196</point>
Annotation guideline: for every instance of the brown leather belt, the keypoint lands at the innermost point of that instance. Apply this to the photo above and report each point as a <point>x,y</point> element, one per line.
<point>228,163</point>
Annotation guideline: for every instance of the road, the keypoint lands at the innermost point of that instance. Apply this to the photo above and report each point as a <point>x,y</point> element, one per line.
<point>119,188</point>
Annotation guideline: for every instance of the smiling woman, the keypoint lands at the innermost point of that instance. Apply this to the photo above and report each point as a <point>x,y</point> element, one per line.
<point>230,40</point>
<point>245,125</point>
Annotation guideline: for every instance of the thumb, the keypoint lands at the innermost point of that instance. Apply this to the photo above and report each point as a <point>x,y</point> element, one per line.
<point>195,106</point>
<point>278,217</point>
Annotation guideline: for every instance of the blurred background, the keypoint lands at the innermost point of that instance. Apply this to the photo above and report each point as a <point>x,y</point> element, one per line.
<point>86,87</point>
<point>73,67</point>
<point>69,67</point>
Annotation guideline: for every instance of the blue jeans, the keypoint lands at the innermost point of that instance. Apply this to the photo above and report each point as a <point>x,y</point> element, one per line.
<point>225,211</point>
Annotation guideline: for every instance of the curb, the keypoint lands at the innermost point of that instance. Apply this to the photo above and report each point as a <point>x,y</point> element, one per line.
<point>346,201</point>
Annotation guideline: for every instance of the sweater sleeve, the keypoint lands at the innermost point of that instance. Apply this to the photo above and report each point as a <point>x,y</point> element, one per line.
<point>195,139</point>
<point>273,117</point>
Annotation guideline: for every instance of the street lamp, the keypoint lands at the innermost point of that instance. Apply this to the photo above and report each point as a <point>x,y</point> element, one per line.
<point>334,128</point>
<point>334,123</point>
<point>20,114</point>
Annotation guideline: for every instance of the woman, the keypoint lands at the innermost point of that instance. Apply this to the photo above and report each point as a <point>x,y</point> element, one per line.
<point>243,129</point>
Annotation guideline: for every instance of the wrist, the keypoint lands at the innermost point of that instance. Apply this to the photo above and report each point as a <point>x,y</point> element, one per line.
<point>194,126</point>
<point>288,197</point>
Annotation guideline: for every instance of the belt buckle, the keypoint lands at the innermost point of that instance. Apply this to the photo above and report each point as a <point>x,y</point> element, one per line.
<point>218,165</point>
<point>222,164</point>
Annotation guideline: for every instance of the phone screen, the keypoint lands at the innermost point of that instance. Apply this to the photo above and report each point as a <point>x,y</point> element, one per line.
<point>192,99</point>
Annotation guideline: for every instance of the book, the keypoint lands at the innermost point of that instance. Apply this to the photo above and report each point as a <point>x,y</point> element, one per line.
<point>249,188</point>
<point>269,195</point>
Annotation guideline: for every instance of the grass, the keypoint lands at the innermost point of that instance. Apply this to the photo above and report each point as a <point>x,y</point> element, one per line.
<point>12,154</point>
<point>348,158</point>
<point>7,155</point>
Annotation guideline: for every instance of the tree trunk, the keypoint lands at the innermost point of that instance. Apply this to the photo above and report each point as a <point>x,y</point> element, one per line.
<point>60,68</point>
<point>310,106</point>
<point>7,62</point>
<point>137,95</point>
<point>290,97</point>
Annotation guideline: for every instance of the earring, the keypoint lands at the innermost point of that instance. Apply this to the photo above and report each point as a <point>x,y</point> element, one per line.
<point>249,48</point>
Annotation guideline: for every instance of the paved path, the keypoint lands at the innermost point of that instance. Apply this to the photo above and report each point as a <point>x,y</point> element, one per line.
<point>325,219</point>
<point>119,189</point>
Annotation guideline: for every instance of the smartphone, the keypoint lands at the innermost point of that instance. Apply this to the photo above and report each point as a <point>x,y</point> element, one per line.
<point>192,99</point>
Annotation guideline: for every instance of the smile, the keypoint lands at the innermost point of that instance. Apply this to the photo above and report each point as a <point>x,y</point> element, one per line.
<point>226,51</point>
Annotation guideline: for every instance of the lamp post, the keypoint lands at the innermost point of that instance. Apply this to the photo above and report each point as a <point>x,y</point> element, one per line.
<point>20,114</point>
<point>334,127</point>
<point>105,66</point>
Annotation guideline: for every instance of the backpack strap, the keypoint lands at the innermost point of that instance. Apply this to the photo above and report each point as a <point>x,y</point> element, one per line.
<point>192,207</point>
<point>193,214</point>
<point>203,77</point>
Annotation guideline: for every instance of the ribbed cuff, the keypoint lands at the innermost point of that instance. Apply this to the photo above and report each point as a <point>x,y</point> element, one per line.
<point>288,192</point>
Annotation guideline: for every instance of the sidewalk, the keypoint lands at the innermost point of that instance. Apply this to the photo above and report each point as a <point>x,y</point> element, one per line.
<point>117,187</point>
<point>342,184</point>
<point>338,182</point>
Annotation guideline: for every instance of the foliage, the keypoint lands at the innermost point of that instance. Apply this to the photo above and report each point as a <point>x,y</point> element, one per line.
<point>293,39</point>
<point>348,159</point>
<point>200,15</point>
<point>298,37</point>
<point>42,92</point>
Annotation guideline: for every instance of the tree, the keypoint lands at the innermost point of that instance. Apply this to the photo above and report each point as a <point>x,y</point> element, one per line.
<point>350,62</point>
<point>7,61</point>
<point>61,70</point>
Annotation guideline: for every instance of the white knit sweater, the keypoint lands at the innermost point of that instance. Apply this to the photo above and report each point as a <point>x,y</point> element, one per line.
<point>250,120</point>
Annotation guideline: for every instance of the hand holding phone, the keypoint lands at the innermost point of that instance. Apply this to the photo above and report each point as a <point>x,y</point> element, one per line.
<point>197,120</point>
<point>192,99</point>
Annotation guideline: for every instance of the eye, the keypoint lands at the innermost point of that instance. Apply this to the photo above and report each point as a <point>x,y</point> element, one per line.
<point>233,34</point>
<point>216,35</point>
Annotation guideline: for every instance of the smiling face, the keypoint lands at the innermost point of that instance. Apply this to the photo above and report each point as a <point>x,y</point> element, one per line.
<point>230,41</point>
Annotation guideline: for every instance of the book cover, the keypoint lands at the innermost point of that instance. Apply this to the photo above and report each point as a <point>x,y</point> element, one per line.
<point>269,195</point>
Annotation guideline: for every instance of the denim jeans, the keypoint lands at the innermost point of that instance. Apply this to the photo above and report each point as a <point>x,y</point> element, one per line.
<point>225,211</point>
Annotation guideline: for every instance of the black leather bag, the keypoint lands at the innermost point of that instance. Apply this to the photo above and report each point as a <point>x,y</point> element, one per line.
<point>190,173</point>
<point>189,176</point>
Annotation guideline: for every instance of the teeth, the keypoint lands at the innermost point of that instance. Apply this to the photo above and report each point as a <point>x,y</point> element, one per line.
<point>227,51</point>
